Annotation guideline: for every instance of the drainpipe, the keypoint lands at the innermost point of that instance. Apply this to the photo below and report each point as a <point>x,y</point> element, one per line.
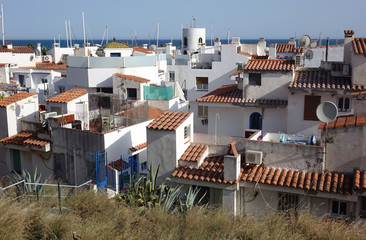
<point>326,50</point>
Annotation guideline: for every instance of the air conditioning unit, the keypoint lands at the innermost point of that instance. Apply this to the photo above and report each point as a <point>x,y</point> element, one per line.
<point>47,58</point>
<point>253,157</point>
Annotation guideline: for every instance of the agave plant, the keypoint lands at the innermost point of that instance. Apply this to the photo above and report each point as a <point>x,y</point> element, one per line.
<point>27,177</point>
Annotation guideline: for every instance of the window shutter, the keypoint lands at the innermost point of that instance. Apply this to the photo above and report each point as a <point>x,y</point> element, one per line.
<point>310,105</point>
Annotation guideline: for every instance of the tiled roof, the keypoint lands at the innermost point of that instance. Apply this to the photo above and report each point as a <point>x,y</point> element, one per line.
<point>269,65</point>
<point>67,96</point>
<point>299,50</point>
<point>142,111</point>
<point>336,45</point>
<point>194,152</point>
<point>169,121</point>
<point>231,94</point>
<point>345,121</point>
<point>244,54</point>
<point>359,45</point>
<point>24,138</point>
<point>143,50</point>
<point>117,45</point>
<point>322,80</point>
<point>133,78</point>
<point>138,147</point>
<point>118,165</point>
<point>16,49</point>
<point>337,66</point>
<point>15,98</point>
<point>47,66</point>
<point>259,57</point>
<point>359,180</point>
<point>285,48</point>
<point>349,32</point>
<point>330,182</point>
<point>211,170</point>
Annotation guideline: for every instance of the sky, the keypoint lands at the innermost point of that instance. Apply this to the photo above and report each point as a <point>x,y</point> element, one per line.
<point>247,19</point>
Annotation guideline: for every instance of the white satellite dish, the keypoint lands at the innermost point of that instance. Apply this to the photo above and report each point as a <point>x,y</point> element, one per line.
<point>309,54</point>
<point>304,41</point>
<point>153,47</point>
<point>326,111</point>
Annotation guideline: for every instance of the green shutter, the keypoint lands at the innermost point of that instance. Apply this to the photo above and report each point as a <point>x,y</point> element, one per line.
<point>16,161</point>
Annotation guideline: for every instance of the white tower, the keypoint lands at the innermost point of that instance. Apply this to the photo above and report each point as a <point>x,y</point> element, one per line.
<point>192,39</point>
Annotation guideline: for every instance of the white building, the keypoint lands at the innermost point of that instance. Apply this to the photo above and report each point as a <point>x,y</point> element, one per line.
<point>17,56</point>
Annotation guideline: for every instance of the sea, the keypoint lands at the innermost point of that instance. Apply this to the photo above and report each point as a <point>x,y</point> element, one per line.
<point>47,43</point>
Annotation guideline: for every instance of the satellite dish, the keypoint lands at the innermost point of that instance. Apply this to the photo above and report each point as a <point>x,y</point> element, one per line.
<point>18,110</point>
<point>326,111</point>
<point>31,58</point>
<point>304,41</point>
<point>309,54</point>
<point>152,47</point>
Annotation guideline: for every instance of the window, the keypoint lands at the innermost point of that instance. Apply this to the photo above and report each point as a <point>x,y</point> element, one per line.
<point>339,208</point>
<point>187,132</point>
<point>21,81</point>
<point>132,93</point>
<point>185,42</point>
<point>16,161</point>
<point>310,105</point>
<point>255,79</point>
<point>115,54</point>
<point>202,111</point>
<point>287,201</point>
<point>344,104</point>
<point>255,121</point>
<point>200,40</point>
<point>363,207</point>
<point>172,76</point>
<point>105,90</point>
<point>202,83</point>
<point>61,89</point>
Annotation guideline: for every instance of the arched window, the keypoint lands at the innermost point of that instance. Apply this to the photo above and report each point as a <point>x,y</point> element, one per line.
<point>255,121</point>
<point>185,42</point>
<point>200,40</point>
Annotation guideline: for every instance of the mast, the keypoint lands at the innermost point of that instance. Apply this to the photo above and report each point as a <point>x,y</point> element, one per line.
<point>70,33</point>
<point>67,34</point>
<point>228,36</point>
<point>59,39</point>
<point>211,34</point>
<point>2,23</point>
<point>157,36</point>
<point>82,14</point>
<point>107,33</point>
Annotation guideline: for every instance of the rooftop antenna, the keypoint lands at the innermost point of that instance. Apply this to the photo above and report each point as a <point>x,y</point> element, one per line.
<point>181,36</point>
<point>326,112</point>
<point>228,36</point>
<point>83,16</point>
<point>2,23</point>
<point>194,22</point>
<point>67,34</point>
<point>136,39</point>
<point>157,36</point>
<point>320,39</point>
<point>211,34</point>
<point>106,27</point>
<point>70,33</point>
<point>191,22</point>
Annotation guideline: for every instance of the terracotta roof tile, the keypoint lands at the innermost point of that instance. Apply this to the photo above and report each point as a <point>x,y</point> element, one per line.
<point>25,138</point>
<point>244,54</point>
<point>322,80</point>
<point>16,49</point>
<point>269,65</point>
<point>67,96</point>
<point>15,98</point>
<point>349,32</point>
<point>118,165</point>
<point>345,121</point>
<point>169,121</point>
<point>117,45</point>
<point>359,180</point>
<point>194,153</point>
<point>142,50</point>
<point>133,78</point>
<point>259,57</point>
<point>231,94</point>
<point>359,46</point>
<point>285,48</point>
<point>47,66</point>
<point>138,147</point>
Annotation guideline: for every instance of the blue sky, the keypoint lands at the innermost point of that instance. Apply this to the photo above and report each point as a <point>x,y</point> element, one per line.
<point>248,19</point>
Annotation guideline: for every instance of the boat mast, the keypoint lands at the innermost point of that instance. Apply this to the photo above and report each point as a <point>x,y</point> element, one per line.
<point>2,23</point>
<point>82,14</point>
<point>157,36</point>
<point>106,27</point>
<point>67,34</point>
<point>70,33</point>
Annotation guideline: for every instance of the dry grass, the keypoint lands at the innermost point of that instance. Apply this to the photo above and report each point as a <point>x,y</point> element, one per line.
<point>94,216</point>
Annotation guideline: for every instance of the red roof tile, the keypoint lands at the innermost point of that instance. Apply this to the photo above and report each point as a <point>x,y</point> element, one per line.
<point>349,32</point>
<point>16,49</point>
<point>67,96</point>
<point>24,138</point>
<point>269,65</point>
<point>359,45</point>
<point>142,50</point>
<point>345,121</point>
<point>244,54</point>
<point>322,80</point>
<point>138,147</point>
<point>285,48</point>
<point>260,57</point>
<point>47,66</point>
<point>169,121</point>
<point>194,153</point>
<point>15,98</point>
<point>118,165</point>
<point>133,78</point>
<point>231,94</point>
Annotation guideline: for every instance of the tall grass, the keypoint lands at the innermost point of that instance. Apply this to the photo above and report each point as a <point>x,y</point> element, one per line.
<point>95,216</point>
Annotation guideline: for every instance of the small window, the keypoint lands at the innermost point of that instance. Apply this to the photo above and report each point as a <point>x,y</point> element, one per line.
<point>185,42</point>
<point>21,80</point>
<point>200,40</point>
<point>187,132</point>
<point>202,111</point>
<point>44,80</point>
<point>344,104</point>
<point>202,83</point>
<point>172,76</point>
<point>310,105</point>
<point>287,201</point>
<point>61,89</point>
<point>339,208</point>
<point>115,54</point>
<point>255,79</point>
<point>16,161</point>
<point>132,93</point>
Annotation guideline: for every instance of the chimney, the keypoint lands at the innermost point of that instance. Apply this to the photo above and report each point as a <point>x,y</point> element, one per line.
<point>348,39</point>
<point>9,45</point>
<point>272,51</point>
<point>261,47</point>
<point>217,42</point>
<point>39,49</point>
<point>292,41</point>
<point>144,45</point>
<point>232,164</point>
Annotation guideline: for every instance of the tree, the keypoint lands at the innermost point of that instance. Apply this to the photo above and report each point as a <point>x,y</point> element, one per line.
<point>31,46</point>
